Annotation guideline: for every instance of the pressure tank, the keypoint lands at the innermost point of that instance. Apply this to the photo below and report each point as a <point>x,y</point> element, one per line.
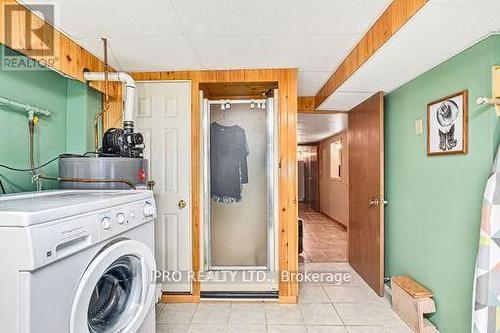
<point>87,171</point>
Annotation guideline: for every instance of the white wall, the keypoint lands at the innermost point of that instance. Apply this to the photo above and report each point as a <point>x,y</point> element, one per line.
<point>334,193</point>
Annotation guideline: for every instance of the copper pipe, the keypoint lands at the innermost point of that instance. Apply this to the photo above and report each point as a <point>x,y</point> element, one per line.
<point>31,129</point>
<point>89,180</point>
<point>105,102</point>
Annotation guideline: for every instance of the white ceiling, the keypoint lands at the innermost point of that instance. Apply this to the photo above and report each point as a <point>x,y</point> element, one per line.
<point>149,35</point>
<point>316,127</point>
<point>440,30</point>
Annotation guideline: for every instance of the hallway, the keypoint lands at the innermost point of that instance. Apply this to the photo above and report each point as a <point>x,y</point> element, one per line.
<point>324,239</point>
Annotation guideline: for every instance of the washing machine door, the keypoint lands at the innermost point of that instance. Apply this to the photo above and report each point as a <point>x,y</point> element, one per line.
<point>116,292</point>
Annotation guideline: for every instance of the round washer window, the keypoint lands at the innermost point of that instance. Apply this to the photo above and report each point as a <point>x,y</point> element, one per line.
<point>117,296</point>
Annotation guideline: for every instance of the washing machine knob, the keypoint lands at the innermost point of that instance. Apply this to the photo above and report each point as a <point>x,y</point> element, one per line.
<point>106,223</point>
<point>120,218</point>
<point>149,210</point>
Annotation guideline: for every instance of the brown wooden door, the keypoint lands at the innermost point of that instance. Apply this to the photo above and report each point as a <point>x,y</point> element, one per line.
<point>366,191</point>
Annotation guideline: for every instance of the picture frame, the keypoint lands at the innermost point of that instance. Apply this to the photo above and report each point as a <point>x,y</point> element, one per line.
<point>448,125</point>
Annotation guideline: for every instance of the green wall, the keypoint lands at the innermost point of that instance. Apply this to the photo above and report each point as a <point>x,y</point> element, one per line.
<point>432,220</point>
<point>69,129</point>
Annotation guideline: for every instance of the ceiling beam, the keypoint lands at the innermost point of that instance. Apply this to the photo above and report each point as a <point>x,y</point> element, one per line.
<point>395,16</point>
<point>307,104</point>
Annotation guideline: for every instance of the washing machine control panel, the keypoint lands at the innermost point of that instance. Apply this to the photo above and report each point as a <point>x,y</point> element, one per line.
<point>122,218</point>
<point>149,210</point>
<point>106,223</point>
<point>54,240</point>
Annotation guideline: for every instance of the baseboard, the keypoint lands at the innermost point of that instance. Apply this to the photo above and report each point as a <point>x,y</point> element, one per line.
<point>388,293</point>
<point>288,300</point>
<point>180,298</point>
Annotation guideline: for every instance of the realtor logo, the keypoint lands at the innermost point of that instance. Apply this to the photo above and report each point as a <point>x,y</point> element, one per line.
<point>29,37</point>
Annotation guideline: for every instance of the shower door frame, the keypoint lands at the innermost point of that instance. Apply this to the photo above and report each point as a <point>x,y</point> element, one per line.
<point>272,185</point>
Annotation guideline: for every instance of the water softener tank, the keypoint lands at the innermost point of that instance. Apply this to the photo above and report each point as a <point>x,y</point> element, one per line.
<point>131,171</point>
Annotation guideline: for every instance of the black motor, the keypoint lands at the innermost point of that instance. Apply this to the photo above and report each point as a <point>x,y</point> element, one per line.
<point>122,143</point>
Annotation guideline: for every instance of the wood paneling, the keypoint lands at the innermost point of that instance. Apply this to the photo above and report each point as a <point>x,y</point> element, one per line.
<point>237,90</point>
<point>288,209</point>
<point>306,103</point>
<point>366,191</point>
<point>67,57</point>
<point>395,16</point>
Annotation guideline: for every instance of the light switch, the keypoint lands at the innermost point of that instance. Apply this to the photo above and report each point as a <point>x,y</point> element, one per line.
<point>419,126</point>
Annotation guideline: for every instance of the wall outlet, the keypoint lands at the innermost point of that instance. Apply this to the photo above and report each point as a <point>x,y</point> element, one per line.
<point>419,126</point>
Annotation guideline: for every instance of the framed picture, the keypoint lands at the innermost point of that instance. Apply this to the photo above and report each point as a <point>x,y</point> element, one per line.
<point>447,125</point>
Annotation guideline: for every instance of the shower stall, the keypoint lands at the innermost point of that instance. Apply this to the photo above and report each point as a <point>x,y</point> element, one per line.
<point>240,220</point>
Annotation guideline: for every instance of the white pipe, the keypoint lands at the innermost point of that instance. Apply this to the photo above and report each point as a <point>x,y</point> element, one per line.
<point>128,112</point>
<point>20,107</point>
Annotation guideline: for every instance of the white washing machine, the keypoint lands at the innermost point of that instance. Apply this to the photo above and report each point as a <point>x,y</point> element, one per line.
<point>77,261</point>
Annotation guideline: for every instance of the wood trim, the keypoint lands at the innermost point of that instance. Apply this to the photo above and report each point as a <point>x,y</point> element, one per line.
<point>68,57</point>
<point>395,16</point>
<point>288,209</point>
<point>306,103</point>
<point>288,299</point>
<point>322,112</point>
<point>465,125</point>
<point>180,298</point>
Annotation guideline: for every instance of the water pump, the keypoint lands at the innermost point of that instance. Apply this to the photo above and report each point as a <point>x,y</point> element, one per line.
<point>119,142</point>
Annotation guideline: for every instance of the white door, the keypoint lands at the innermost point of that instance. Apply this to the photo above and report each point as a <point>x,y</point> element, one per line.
<point>163,116</point>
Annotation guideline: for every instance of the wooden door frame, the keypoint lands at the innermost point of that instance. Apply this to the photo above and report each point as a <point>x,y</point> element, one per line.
<point>287,177</point>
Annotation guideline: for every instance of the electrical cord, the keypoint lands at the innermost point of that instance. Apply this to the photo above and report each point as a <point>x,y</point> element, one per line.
<point>37,177</point>
<point>2,187</point>
<point>29,169</point>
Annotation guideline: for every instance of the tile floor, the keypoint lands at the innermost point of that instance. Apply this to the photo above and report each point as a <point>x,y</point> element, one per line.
<point>324,239</point>
<point>345,308</point>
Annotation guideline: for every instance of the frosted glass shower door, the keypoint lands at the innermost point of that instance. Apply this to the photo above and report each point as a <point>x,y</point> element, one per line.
<point>240,180</point>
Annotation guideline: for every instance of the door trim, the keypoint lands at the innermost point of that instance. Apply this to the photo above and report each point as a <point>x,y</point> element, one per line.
<point>287,176</point>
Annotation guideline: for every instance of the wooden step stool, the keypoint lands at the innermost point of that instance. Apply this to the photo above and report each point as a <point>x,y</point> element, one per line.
<point>411,301</point>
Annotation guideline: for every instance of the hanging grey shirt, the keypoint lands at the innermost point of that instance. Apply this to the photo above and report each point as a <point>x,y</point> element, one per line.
<point>228,162</point>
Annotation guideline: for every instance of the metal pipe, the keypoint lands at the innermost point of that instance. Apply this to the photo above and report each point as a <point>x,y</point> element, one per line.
<point>89,180</point>
<point>236,101</point>
<point>105,102</point>
<point>128,113</point>
<point>20,107</point>
<point>31,130</point>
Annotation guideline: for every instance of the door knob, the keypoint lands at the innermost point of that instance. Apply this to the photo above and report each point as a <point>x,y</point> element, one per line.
<point>374,202</point>
<point>182,204</point>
